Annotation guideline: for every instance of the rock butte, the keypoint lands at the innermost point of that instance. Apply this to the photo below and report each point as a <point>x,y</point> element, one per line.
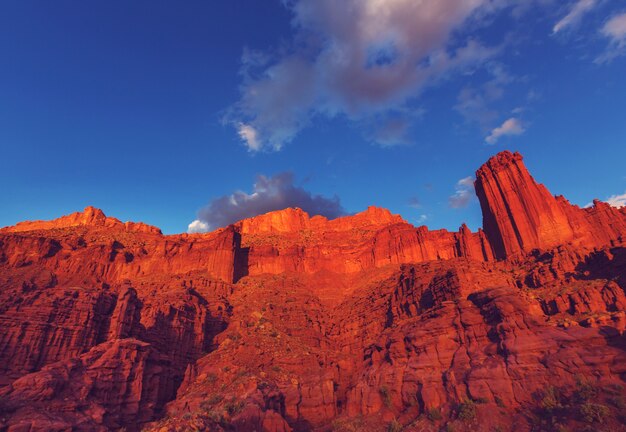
<point>289,322</point>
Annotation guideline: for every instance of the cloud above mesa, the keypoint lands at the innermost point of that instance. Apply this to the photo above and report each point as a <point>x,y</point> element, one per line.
<point>511,126</point>
<point>364,60</point>
<point>463,194</point>
<point>268,194</point>
<point>617,200</point>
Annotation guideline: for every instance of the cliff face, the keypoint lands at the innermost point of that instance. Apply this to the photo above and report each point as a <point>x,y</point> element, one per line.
<point>520,215</point>
<point>289,322</point>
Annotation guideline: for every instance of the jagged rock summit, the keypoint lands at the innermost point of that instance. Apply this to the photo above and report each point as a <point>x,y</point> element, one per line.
<point>90,217</point>
<point>287,322</point>
<point>520,215</point>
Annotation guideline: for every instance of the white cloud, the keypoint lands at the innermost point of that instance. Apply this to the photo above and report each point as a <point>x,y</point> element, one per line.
<point>615,30</point>
<point>575,14</point>
<point>466,182</point>
<point>617,200</point>
<point>268,194</point>
<point>463,194</point>
<point>511,126</point>
<point>616,27</point>
<point>249,136</point>
<point>361,59</point>
<point>198,226</point>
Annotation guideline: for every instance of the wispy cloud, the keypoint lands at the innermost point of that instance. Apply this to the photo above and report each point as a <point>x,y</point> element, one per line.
<point>464,193</point>
<point>511,126</point>
<point>575,14</point>
<point>475,103</point>
<point>268,194</point>
<point>360,59</point>
<point>615,30</point>
<point>617,200</point>
<point>414,202</point>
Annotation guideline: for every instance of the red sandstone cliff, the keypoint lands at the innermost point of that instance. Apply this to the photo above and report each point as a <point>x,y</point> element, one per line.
<point>289,322</point>
<point>520,215</point>
<point>91,217</point>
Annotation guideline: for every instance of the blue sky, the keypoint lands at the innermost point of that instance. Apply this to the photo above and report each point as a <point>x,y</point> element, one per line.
<point>168,112</point>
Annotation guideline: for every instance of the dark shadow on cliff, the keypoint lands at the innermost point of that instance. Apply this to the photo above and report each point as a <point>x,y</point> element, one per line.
<point>607,264</point>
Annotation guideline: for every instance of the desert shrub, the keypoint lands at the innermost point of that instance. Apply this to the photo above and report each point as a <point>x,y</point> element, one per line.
<point>385,395</point>
<point>234,407</point>
<point>211,378</point>
<point>499,402</point>
<point>434,414</point>
<point>187,416</point>
<point>550,400</point>
<point>594,413</point>
<point>394,426</point>
<point>584,390</point>
<point>211,400</point>
<point>234,336</point>
<point>467,411</point>
<point>348,425</point>
<point>614,388</point>
<point>618,402</point>
<point>215,416</point>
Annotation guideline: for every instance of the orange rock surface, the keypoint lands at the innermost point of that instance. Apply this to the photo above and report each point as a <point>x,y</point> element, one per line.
<point>286,322</point>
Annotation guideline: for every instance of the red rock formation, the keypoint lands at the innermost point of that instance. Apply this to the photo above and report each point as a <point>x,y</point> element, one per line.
<point>91,216</point>
<point>117,383</point>
<point>520,215</point>
<point>289,322</point>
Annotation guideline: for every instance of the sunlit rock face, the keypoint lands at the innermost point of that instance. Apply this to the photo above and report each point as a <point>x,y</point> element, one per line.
<point>290,322</point>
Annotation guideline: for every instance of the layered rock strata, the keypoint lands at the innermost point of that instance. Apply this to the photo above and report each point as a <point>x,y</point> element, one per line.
<point>290,322</point>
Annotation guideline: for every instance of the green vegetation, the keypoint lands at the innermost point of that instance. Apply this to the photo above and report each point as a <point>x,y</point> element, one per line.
<point>558,407</point>
<point>434,414</point>
<point>211,378</point>
<point>467,411</point>
<point>234,336</point>
<point>593,412</point>
<point>584,390</point>
<point>551,400</point>
<point>394,426</point>
<point>215,416</point>
<point>208,403</point>
<point>348,425</point>
<point>234,407</point>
